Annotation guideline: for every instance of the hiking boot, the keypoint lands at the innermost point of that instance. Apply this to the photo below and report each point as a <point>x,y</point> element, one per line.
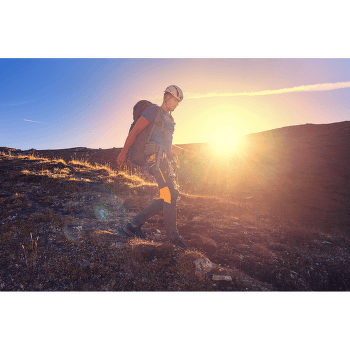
<point>178,242</point>
<point>135,231</point>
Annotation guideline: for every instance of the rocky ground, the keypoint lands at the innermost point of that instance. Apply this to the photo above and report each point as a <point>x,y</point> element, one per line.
<point>61,226</point>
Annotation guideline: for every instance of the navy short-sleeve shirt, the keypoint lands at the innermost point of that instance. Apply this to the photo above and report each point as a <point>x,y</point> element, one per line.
<point>165,137</point>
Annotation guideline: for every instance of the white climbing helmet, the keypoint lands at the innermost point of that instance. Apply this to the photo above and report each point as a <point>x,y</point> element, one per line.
<point>175,91</point>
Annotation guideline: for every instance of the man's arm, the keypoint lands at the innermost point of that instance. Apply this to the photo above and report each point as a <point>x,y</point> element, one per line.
<point>139,126</point>
<point>185,152</point>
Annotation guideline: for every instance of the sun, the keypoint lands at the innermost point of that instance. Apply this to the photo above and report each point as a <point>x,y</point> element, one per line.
<point>225,141</point>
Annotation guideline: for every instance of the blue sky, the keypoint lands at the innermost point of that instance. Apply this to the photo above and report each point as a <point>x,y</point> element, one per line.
<point>95,62</point>
<point>62,103</point>
<point>48,103</point>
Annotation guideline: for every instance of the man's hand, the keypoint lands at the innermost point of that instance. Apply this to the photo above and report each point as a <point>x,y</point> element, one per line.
<point>121,159</point>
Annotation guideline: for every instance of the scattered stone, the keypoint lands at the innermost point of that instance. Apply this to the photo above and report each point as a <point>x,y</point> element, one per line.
<point>221,278</point>
<point>203,266</point>
<point>117,245</point>
<point>84,263</point>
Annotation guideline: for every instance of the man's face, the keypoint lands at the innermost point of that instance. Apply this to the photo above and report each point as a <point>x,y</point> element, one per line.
<point>172,103</point>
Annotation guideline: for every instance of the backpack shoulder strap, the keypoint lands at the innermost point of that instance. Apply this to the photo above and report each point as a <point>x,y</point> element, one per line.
<point>159,115</point>
<point>155,122</point>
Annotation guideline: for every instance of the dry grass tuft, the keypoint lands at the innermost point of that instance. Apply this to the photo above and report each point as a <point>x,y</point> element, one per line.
<point>150,251</point>
<point>105,169</point>
<point>32,254</point>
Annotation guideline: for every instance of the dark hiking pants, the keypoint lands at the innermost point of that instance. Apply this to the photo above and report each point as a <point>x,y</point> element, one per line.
<point>166,201</point>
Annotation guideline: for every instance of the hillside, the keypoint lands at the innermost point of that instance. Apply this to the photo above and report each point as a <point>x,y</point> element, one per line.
<point>303,173</point>
<point>298,172</point>
<point>61,219</point>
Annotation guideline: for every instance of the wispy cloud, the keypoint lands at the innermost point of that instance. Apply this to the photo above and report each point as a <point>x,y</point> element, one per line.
<point>303,88</point>
<point>33,121</point>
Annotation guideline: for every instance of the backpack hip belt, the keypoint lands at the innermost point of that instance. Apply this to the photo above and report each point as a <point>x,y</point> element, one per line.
<point>157,149</point>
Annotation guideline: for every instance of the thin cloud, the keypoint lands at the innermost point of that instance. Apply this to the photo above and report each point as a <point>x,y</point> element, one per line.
<point>303,88</point>
<point>33,121</point>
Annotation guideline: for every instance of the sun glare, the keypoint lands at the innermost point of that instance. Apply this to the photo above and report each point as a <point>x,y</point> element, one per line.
<point>225,141</point>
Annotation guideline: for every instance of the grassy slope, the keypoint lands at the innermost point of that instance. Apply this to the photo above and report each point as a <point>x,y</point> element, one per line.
<point>59,225</point>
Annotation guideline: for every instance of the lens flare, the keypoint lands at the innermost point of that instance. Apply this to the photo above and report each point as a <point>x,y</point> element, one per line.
<point>110,209</point>
<point>73,232</point>
<point>102,213</point>
<point>109,215</point>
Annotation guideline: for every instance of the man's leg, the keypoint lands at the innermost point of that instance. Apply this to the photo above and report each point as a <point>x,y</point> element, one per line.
<point>166,202</point>
<point>153,208</point>
<point>168,195</point>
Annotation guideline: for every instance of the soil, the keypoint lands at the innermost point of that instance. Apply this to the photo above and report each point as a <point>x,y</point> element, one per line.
<point>274,217</point>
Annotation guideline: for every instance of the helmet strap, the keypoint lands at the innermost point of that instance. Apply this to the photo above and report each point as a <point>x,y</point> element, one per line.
<point>166,103</point>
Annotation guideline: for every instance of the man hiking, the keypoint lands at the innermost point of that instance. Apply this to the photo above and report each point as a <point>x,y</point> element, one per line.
<point>159,151</point>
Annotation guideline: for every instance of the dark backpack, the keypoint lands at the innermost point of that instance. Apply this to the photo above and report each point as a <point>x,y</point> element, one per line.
<point>136,152</point>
